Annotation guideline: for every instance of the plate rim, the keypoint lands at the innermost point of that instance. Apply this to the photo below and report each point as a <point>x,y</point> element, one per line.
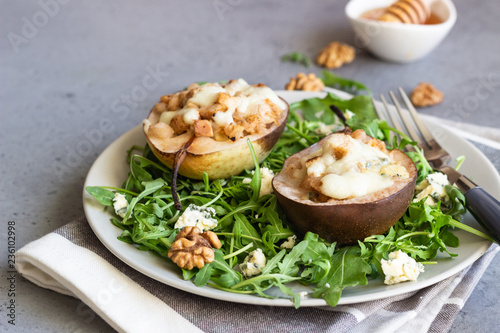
<point>117,248</point>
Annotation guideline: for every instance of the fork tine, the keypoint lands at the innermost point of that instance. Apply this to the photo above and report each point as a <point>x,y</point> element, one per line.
<point>395,123</point>
<point>382,116</point>
<point>426,134</point>
<point>409,129</point>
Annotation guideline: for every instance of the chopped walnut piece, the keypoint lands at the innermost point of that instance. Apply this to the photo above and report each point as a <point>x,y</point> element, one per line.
<point>209,111</point>
<point>160,107</point>
<point>253,124</point>
<point>178,125</point>
<point>305,82</point>
<point>426,95</point>
<point>203,128</point>
<point>191,105</point>
<point>219,134</point>
<point>234,132</point>
<point>192,248</point>
<point>183,98</point>
<point>174,102</point>
<point>193,86</point>
<point>227,101</point>
<point>164,99</point>
<point>335,55</point>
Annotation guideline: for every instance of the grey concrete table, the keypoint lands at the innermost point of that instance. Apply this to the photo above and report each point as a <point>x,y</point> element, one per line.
<point>66,65</point>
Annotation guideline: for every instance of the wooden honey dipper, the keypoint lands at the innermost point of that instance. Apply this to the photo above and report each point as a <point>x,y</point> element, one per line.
<point>406,11</point>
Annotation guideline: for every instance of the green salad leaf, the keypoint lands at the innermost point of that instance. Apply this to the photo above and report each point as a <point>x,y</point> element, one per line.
<point>318,109</point>
<point>348,270</point>
<point>334,81</point>
<point>297,57</point>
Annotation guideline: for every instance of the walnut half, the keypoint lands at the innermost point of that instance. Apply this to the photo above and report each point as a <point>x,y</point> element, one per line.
<point>335,55</point>
<point>426,95</point>
<point>192,248</point>
<point>305,82</point>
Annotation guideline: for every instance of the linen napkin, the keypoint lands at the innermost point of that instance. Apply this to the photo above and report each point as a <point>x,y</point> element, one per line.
<point>72,261</point>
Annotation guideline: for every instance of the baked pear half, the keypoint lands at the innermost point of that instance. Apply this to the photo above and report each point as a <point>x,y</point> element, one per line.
<point>346,187</point>
<point>210,124</point>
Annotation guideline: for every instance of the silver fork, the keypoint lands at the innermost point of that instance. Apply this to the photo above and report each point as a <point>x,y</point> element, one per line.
<point>481,204</point>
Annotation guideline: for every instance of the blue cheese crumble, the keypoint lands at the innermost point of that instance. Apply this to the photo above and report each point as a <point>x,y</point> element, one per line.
<point>195,216</point>
<point>289,243</point>
<point>432,188</point>
<point>400,267</point>
<point>303,294</point>
<point>120,204</point>
<point>253,263</point>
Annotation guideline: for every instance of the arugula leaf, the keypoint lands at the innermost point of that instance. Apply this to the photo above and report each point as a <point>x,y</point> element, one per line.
<point>348,270</point>
<point>273,262</point>
<point>423,167</point>
<point>288,291</point>
<point>105,197</point>
<point>223,274</point>
<point>334,81</point>
<point>297,57</point>
<point>316,249</point>
<point>256,179</point>
<point>271,223</point>
<point>317,258</point>
<point>203,275</point>
<point>456,207</point>
<point>188,274</point>
<point>318,109</point>
<point>289,264</point>
<point>244,231</point>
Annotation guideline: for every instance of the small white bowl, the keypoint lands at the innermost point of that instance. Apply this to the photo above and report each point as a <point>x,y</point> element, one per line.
<point>399,42</point>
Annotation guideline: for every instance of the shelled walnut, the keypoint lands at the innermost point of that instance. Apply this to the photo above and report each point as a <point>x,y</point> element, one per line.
<point>305,82</point>
<point>192,248</point>
<point>335,55</point>
<point>426,95</point>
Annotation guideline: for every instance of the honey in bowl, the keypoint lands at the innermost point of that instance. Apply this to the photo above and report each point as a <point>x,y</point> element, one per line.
<point>404,11</point>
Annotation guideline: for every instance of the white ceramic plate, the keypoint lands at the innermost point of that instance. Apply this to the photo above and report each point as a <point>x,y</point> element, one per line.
<point>110,169</point>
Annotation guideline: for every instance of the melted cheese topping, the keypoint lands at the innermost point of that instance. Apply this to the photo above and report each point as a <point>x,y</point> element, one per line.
<point>258,94</point>
<point>189,115</point>
<point>207,94</point>
<point>353,184</point>
<point>223,118</point>
<point>349,168</point>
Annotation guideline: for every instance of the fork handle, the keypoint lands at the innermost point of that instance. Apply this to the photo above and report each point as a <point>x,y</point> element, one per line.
<point>482,206</point>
